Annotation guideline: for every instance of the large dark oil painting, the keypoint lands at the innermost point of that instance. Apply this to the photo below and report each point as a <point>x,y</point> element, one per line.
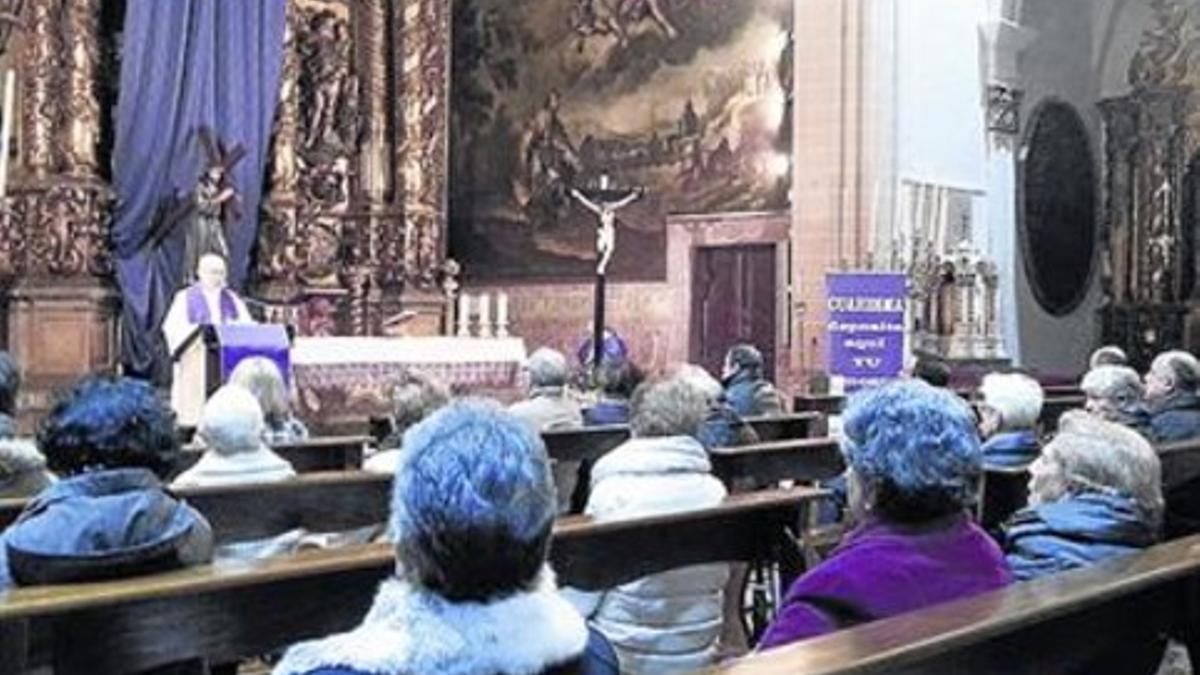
<point>686,98</point>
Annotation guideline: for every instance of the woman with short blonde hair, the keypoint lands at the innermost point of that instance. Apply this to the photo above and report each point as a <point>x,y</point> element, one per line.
<point>261,377</point>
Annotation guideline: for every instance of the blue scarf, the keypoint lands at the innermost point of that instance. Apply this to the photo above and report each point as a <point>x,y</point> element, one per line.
<point>1076,531</point>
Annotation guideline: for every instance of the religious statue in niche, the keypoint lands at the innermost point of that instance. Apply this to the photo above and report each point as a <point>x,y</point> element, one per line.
<point>329,93</point>
<point>207,213</point>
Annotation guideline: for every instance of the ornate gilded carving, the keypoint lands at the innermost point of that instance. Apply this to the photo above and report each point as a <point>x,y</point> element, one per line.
<point>1166,49</point>
<point>64,229</point>
<point>355,208</point>
<point>329,93</point>
<point>42,67</point>
<point>424,43</point>
<point>80,112</point>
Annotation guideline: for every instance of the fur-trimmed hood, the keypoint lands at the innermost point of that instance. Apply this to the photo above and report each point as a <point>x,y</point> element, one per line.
<point>22,468</point>
<point>412,631</point>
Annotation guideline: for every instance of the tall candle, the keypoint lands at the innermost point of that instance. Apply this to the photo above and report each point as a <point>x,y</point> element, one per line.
<point>10,90</point>
<point>485,315</point>
<point>502,309</point>
<point>464,315</point>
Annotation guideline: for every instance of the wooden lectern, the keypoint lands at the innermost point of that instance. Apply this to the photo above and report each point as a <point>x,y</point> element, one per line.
<point>206,357</point>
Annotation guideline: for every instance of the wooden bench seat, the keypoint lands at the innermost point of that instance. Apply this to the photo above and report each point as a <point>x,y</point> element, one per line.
<point>1057,624</point>
<point>223,612</point>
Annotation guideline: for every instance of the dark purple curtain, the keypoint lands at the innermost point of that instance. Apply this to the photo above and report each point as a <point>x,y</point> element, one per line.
<point>186,65</point>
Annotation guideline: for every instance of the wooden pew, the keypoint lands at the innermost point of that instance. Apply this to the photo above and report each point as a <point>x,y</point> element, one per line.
<point>590,443</point>
<point>318,502</point>
<point>1181,487</point>
<point>225,612</point>
<point>330,453</point>
<point>341,500</point>
<point>1057,624</point>
<point>1005,491</point>
<point>587,444</point>
<point>1054,407</point>
<point>766,464</point>
<point>826,404</point>
<point>785,427</point>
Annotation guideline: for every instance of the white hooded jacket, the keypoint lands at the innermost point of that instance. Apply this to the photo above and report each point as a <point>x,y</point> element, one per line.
<point>260,465</point>
<point>668,622</point>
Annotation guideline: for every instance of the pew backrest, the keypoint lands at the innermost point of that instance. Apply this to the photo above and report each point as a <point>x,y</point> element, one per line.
<point>329,453</point>
<point>1180,462</point>
<point>318,502</point>
<point>1057,624</point>
<point>223,612</point>
<point>802,460</point>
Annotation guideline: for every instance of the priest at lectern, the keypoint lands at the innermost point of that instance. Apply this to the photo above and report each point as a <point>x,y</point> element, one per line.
<point>208,302</point>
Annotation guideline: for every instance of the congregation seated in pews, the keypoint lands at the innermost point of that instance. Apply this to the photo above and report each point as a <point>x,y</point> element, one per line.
<point>916,457</point>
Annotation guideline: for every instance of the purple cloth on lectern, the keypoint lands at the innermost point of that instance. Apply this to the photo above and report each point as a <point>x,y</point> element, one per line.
<point>242,340</point>
<point>197,307</point>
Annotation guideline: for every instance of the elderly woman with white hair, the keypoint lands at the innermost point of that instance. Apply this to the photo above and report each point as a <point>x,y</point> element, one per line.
<point>1008,415</point>
<point>1171,397</point>
<point>1094,493</point>
<point>1114,393</point>
<point>231,428</point>
<point>261,377</point>
<point>472,512</point>
<point>668,622</point>
<point>548,406</point>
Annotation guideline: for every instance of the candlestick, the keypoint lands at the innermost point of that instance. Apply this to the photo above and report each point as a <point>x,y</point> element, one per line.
<point>485,315</point>
<point>502,315</point>
<point>464,315</point>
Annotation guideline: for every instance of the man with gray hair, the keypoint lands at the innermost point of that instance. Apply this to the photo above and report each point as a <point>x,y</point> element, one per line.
<point>1114,393</point>
<point>1171,397</point>
<point>548,406</point>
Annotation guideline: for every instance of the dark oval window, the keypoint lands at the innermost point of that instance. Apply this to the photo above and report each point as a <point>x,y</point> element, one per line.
<point>1059,207</point>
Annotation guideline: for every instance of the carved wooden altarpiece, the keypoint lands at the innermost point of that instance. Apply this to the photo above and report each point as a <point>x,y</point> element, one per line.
<point>354,210</point>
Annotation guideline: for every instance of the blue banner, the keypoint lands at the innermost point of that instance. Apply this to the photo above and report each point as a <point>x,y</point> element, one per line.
<point>866,326</point>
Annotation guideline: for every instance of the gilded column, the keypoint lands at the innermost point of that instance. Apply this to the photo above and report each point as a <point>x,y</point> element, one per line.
<point>38,110</point>
<point>424,76</point>
<point>374,159</point>
<point>83,108</point>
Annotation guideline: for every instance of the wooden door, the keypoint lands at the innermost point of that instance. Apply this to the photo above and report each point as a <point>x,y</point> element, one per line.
<point>733,300</point>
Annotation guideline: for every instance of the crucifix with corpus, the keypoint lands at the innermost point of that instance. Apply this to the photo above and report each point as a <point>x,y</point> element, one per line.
<point>604,201</point>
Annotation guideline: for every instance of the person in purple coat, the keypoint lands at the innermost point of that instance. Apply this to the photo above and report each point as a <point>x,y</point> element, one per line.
<point>915,466</point>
